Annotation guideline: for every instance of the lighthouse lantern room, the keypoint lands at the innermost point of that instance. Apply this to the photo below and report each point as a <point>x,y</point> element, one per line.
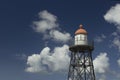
<point>81,36</point>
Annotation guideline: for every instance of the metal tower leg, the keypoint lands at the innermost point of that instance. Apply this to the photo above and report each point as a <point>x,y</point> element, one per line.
<point>81,66</point>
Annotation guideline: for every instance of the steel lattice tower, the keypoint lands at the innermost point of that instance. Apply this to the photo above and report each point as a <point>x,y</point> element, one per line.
<point>81,64</point>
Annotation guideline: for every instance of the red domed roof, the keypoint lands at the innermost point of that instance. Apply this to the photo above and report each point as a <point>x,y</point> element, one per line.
<point>81,30</point>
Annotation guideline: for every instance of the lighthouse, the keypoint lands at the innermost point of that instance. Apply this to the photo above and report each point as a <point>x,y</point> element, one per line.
<point>81,36</point>
<point>81,63</point>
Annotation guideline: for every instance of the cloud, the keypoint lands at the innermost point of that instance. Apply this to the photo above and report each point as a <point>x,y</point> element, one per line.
<point>116,43</point>
<point>59,36</point>
<point>101,66</point>
<point>47,22</point>
<point>48,26</point>
<point>47,60</point>
<point>100,38</point>
<point>102,77</point>
<point>118,61</point>
<point>116,39</point>
<point>58,60</point>
<point>113,15</point>
<point>101,63</point>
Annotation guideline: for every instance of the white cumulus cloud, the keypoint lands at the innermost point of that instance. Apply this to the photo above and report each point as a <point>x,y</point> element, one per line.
<point>57,60</point>
<point>47,60</point>
<point>101,63</point>
<point>102,77</point>
<point>47,16</point>
<point>48,26</point>
<point>59,36</point>
<point>113,15</point>
<point>47,22</point>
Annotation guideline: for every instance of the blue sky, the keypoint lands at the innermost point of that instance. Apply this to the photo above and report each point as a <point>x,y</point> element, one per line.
<point>34,37</point>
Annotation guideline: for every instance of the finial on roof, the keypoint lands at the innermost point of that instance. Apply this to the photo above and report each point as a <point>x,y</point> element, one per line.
<point>81,30</point>
<point>81,26</point>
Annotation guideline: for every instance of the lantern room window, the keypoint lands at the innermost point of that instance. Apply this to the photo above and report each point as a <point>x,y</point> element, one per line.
<point>80,38</point>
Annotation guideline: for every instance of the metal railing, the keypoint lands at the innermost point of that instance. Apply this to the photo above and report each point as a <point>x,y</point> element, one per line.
<point>72,42</point>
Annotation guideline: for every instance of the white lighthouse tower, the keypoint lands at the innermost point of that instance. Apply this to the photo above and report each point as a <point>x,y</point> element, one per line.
<point>81,63</point>
<point>81,36</point>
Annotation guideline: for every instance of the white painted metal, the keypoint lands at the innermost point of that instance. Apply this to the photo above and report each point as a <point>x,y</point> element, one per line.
<point>81,39</point>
